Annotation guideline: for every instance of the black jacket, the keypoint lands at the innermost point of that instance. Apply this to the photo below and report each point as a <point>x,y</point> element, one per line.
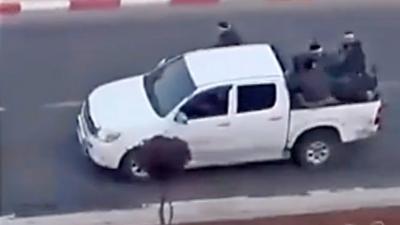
<point>354,61</point>
<point>313,84</point>
<point>228,38</point>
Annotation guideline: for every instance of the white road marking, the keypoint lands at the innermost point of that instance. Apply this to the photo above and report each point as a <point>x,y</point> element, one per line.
<point>2,109</point>
<point>136,2</point>
<point>45,5</point>
<point>65,104</point>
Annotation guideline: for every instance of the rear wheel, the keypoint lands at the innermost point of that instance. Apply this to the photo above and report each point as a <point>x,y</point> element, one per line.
<point>130,170</point>
<point>317,148</point>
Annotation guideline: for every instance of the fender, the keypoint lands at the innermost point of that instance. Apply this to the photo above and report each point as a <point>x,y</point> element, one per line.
<point>138,142</point>
<point>303,128</point>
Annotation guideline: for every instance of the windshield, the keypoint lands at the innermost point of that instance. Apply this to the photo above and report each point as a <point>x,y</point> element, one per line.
<point>168,85</point>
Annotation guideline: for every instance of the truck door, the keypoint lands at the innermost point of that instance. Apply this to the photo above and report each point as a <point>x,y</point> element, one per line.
<point>260,119</point>
<point>208,127</point>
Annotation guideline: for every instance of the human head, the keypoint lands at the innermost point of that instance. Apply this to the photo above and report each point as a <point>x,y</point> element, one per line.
<point>349,36</point>
<point>315,47</point>
<point>349,41</point>
<point>224,26</point>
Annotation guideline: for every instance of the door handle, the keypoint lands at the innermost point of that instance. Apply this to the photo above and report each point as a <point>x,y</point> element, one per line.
<point>225,124</point>
<point>275,118</point>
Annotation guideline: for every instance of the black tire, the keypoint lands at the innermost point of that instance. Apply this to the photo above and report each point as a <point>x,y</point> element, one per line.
<point>126,168</point>
<point>325,144</point>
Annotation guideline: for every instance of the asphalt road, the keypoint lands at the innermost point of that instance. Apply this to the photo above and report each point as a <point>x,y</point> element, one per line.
<point>59,57</point>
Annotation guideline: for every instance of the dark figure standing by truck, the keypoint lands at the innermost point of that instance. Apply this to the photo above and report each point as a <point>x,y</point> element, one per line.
<point>228,35</point>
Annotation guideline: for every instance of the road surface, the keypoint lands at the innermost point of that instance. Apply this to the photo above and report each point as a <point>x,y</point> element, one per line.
<point>50,61</point>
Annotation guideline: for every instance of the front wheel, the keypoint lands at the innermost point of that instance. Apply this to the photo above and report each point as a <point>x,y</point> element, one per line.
<point>130,170</point>
<point>317,149</point>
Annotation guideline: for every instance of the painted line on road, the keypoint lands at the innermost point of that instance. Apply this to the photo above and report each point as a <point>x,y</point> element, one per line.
<point>45,5</point>
<point>65,104</point>
<point>2,109</point>
<point>142,2</point>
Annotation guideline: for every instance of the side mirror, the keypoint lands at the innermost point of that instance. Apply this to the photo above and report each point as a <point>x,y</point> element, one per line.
<point>181,118</point>
<point>164,60</point>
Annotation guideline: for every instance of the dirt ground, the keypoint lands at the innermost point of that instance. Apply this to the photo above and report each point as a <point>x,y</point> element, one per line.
<point>385,216</point>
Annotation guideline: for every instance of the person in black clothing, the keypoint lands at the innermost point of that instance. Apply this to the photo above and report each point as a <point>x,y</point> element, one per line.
<point>317,53</point>
<point>228,35</point>
<point>354,83</point>
<point>311,87</point>
<point>353,54</point>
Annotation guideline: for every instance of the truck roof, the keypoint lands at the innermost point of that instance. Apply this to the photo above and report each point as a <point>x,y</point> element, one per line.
<point>232,63</point>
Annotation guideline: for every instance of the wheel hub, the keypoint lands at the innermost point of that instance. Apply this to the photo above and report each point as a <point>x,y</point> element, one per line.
<point>317,153</point>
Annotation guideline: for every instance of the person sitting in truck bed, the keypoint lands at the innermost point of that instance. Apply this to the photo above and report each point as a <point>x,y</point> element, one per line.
<point>354,83</point>
<point>311,87</point>
<point>353,54</point>
<point>324,59</point>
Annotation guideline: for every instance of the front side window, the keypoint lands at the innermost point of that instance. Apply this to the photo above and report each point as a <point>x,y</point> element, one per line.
<point>256,97</point>
<point>168,85</point>
<point>210,103</point>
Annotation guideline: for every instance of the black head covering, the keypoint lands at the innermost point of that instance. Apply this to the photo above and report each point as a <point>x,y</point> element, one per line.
<point>314,46</point>
<point>224,25</point>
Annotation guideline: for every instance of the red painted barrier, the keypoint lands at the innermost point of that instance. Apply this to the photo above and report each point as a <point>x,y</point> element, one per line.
<point>94,4</point>
<point>10,8</point>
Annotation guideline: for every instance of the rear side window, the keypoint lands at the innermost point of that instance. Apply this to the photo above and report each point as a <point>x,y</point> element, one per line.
<point>256,97</point>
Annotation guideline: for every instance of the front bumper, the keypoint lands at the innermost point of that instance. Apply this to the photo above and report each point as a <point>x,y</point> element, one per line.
<point>83,137</point>
<point>102,154</point>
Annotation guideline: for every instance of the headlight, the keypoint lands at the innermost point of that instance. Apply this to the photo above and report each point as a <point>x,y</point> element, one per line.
<point>107,135</point>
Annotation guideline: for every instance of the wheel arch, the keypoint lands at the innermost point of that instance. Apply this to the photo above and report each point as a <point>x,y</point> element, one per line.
<point>135,146</point>
<point>323,128</point>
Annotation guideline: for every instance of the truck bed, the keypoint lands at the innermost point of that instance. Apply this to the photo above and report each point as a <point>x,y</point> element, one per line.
<point>353,121</point>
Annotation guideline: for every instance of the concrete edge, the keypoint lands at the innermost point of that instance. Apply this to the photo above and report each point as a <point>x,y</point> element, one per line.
<point>229,208</point>
<point>12,7</point>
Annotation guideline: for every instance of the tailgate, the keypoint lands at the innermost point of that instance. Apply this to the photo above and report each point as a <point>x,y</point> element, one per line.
<point>362,120</point>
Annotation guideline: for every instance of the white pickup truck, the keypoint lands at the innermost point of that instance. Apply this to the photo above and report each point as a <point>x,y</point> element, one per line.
<point>231,105</point>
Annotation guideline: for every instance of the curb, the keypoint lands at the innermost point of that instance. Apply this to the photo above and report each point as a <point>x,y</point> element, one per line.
<point>10,8</point>
<point>13,7</point>
<point>237,208</point>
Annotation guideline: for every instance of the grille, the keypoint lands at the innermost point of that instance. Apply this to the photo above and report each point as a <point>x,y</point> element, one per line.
<point>88,119</point>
